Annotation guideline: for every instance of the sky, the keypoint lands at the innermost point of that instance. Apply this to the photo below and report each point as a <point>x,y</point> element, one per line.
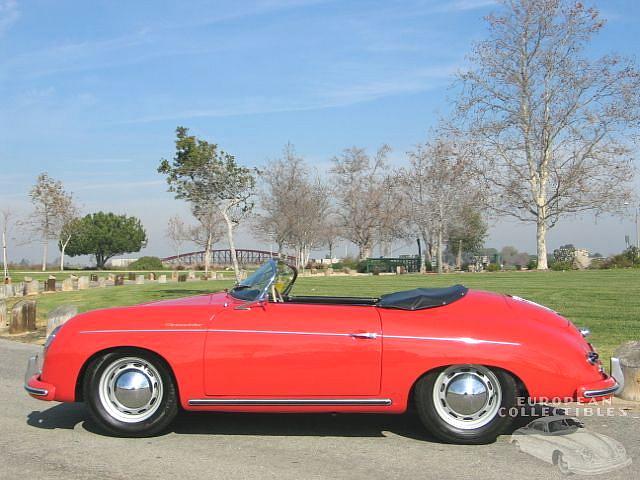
<point>91,92</point>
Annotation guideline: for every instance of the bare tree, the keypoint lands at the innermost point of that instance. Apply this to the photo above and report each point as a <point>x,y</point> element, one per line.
<point>551,125</point>
<point>208,231</point>
<point>275,218</point>
<point>438,187</point>
<point>52,207</point>
<point>177,232</point>
<point>67,224</point>
<point>6,215</point>
<point>294,205</point>
<point>330,233</point>
<point>361,184</point>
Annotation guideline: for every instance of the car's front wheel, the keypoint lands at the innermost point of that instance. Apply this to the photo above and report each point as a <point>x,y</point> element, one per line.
<point>466,403</point>
<point>130,393</point>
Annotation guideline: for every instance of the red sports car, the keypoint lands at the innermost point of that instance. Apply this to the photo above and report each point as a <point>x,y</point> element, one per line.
<point>462,357</point>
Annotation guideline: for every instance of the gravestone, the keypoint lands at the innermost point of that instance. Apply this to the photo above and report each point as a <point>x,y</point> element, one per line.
<point>219,276</point>
<point>132,276</point>
<point>162,279</point>
<point>50,284</point>
<point>174,276</point>
<point>32,287</point>
<point>23,317</point>
<point>102,282</point>
<point>94,277</point>
<point>28,279</point>
<point>59,315</point>
<point>111,277</point>
<point>118,281</point>
<point>192,275</point>
<point>328,272</point>
<point>7,280</point>
<point>67,284</point>
<point>18,289</point>
<point>139,279</point>
<point>4,322</point>
<point>83,283</point>
<point>152,276</point>
<point>628,355</point>
<point>182,277</point>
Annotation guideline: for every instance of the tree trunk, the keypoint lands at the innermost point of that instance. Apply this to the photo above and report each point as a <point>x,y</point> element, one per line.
<point>207,256</point>
<point>45,249</point>
<point>439,252</point>
<point>5,267</point>
<point>459,256</point>
<point>364,251</point>
<point>232,247</point>
<point>541,236</point>
<point>63,247</point>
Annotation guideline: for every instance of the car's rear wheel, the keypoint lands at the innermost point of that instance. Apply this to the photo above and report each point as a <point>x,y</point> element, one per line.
<point>466,403</point>
<point>130,393</point>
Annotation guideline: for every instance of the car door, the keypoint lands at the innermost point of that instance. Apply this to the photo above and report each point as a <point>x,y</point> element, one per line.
<point>294,350</point>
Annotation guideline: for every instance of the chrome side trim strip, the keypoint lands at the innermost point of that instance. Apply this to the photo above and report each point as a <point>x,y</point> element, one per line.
<point>601,392</point>
<point>467,340</point>
<point>40,392</point>
<point>284,332</point>
<point>161,330</point>
<point>289,401</point>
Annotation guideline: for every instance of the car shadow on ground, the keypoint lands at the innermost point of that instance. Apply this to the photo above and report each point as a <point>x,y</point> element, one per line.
<point>70,415</point>
<point>408,425</point>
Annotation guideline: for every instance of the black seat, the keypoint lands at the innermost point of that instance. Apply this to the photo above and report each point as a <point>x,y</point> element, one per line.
<point>421,298</point>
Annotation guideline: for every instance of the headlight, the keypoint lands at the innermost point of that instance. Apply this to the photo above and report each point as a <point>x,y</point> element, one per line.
<point>51,337</point>
<point>586,454</point>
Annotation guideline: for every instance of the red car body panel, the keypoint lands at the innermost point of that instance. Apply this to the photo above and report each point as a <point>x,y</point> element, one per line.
<point>316,351</point>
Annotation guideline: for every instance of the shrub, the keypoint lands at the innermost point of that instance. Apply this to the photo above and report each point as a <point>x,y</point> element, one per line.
<point>147,263</point>
<point>493,267</point>
<point>532,265</point>
<point>561,266</point>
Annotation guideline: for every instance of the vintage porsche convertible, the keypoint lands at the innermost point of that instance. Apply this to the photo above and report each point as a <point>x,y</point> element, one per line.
<point>461,357</point>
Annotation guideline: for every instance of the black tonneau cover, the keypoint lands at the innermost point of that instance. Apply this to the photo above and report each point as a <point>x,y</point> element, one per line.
<point>421,298</point>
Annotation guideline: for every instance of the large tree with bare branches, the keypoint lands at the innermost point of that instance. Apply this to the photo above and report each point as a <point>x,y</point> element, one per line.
<point>438,187</point>
<point>550,124</point>
<point>53,209</point>
<point>294,205</point>
<point>362,190</point>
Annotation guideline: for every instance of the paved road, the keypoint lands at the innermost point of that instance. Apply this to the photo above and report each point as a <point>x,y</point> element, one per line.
<point>42,440</point>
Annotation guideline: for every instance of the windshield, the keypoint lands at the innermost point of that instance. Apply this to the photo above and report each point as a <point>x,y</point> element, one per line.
<point>256,284</point>
<point>274,278</point>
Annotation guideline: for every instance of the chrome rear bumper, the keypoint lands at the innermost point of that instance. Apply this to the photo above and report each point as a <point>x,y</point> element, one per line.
<point>616,372</point>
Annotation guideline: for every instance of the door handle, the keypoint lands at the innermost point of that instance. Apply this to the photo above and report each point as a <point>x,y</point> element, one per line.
<point>364,335</point>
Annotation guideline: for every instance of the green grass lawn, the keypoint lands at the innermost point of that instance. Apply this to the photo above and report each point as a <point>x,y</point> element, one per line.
<point>606,301</point>
<point>18,275</point>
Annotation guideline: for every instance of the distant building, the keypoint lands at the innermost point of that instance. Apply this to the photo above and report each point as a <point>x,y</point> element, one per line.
<point>579,257</point>
<point>327,261</point>
<point>120,262</point>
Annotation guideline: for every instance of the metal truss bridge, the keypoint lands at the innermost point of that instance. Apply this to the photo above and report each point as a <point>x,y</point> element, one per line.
<point>223,257</point>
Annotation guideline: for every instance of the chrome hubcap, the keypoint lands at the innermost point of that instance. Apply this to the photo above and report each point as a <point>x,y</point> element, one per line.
<point>467,396</point>
<point>130,389</point>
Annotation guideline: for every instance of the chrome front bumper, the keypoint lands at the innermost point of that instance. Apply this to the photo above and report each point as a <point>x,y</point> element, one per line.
<point>34,368</point>
<point>616,372</point>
